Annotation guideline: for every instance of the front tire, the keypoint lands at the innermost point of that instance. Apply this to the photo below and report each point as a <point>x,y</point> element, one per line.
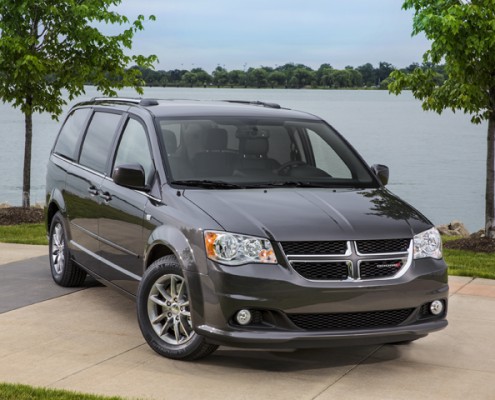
<point>164,313</point>
<point>64,272</point>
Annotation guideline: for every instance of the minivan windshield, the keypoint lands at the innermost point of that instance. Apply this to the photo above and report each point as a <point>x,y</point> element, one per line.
<point>229,153</point>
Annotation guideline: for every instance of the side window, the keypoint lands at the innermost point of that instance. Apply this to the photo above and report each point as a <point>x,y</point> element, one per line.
<point>327,159</point>
<point>71,132</point>
<point>98,140</point>
<point>134,148</point>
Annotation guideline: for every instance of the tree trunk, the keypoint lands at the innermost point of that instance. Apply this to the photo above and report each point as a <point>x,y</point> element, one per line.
<point>490,180</point>
<point>26,181</point>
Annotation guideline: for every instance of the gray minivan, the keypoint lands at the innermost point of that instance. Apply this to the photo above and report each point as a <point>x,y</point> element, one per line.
<point>238,223</point>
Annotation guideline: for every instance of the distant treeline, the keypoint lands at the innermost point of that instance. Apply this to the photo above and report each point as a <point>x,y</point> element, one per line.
<point>285,76</point>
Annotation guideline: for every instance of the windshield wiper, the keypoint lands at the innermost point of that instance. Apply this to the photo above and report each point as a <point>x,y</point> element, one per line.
<point>206,184</point>
<point>290,184</point>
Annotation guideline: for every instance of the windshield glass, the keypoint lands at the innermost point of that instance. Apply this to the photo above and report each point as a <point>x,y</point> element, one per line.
<point>232,153</point>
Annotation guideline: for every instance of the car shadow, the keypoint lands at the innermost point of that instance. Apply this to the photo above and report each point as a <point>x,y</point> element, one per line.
<point>296,360</point>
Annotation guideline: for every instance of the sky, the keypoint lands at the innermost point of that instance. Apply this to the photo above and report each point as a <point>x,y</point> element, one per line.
<point>238,34</point>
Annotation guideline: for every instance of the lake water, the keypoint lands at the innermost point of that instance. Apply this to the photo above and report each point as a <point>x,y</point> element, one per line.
<point>437,162</point>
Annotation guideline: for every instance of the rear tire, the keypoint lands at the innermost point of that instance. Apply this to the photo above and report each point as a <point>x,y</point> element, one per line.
<point>164,313</point>
<point>64,271</point>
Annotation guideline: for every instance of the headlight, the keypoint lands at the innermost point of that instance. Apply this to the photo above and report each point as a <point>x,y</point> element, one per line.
<point>233,249</point>
<point>428,244</point>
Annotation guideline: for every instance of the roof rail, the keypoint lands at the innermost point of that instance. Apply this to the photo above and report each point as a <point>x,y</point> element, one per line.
<point>132,100</point>
<point>255,103</point>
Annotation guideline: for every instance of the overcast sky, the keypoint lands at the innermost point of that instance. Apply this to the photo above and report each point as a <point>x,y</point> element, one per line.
<point>235,34</point>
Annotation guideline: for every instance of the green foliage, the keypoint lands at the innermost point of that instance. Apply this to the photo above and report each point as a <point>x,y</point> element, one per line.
<point>288,75</point>
<point>55,45</point>
<point>463,36</point>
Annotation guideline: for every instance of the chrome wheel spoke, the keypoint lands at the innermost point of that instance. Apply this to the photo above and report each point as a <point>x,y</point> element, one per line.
<point>182,287</point>
<point>173,291</point>
<point>177,330</point>
<point>159,318</point>
<point>183,328</point>
<point>166,326</point>
<point>155,299</point>
<point>168,310</point>
<point>163,292</point>
<point>186,313</point>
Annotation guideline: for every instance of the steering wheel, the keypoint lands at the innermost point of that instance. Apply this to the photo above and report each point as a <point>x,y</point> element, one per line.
<point>285,168</point>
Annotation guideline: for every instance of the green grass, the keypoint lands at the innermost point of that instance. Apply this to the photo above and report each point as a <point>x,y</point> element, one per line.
<point>23,392</point>
<point>25,233</point>
<point>468,263</point>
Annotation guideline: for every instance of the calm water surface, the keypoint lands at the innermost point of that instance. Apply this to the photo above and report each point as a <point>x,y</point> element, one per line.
<point>437,163</point>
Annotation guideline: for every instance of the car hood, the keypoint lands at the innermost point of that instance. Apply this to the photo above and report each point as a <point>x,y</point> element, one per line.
<point>287,214</point>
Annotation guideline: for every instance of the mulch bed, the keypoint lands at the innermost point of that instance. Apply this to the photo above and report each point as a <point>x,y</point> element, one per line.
<point>20,215</point>
<point>475,242</point>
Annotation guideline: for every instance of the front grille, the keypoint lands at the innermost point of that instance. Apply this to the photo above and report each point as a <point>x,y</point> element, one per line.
<point>358,320</point>
<point>322,271</point>
<point>349,260</point>
<point>379,268</point>
<point>315,248</point>
<point>382,246</point>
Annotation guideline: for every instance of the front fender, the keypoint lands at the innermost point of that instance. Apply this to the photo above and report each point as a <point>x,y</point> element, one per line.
<point>189,250</point>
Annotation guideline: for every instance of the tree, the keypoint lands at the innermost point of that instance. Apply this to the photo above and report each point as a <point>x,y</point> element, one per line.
<point>341,78</point>
<point>189,78</point>
<point>203,77</point>
<point>257,77</point>
<point>355,76</point>
<point>462,34</point>
<point>322,72</point>
<point>237,77</point>
<point>369,74</point>
<point>277,78</point>
<point>302,76</point>
<point>384,70</point>
<point>54,45</point>
<point>220,76</point>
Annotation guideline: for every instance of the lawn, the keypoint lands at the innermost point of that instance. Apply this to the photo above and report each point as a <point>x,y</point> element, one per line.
<point>469,263</point>
<point>23,392</point>
<point>25,233</point>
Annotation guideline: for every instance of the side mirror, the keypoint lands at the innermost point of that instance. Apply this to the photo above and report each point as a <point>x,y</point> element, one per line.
<point>131,176</point>
<point>381,172</point>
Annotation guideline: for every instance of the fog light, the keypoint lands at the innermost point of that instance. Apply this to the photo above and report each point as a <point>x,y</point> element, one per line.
<point>436,307</point>
<point>243,317</point>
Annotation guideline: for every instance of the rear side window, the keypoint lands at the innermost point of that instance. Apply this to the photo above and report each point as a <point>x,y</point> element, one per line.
<point>70,133</point>
<point>98,141</point>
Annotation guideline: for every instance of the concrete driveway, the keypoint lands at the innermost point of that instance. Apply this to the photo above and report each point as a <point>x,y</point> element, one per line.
<point>88,340</point>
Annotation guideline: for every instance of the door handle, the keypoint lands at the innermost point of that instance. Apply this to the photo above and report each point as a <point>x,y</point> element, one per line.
<point>106,196</point>
<point>93,191</point>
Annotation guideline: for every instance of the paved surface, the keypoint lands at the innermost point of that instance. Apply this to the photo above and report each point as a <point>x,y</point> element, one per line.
<point>88,340</point>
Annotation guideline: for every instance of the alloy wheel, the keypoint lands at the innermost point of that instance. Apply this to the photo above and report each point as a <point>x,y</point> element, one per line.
<point>168,310</point>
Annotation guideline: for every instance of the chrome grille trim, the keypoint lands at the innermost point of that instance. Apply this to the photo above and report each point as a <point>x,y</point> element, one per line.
<point>354,259</point>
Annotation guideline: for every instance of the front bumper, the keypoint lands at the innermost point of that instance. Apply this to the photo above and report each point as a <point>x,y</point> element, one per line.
<point>277,293</point>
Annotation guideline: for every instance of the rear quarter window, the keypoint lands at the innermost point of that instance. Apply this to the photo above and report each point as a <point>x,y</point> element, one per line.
<point>70,133</point>
<point>97,145</point>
